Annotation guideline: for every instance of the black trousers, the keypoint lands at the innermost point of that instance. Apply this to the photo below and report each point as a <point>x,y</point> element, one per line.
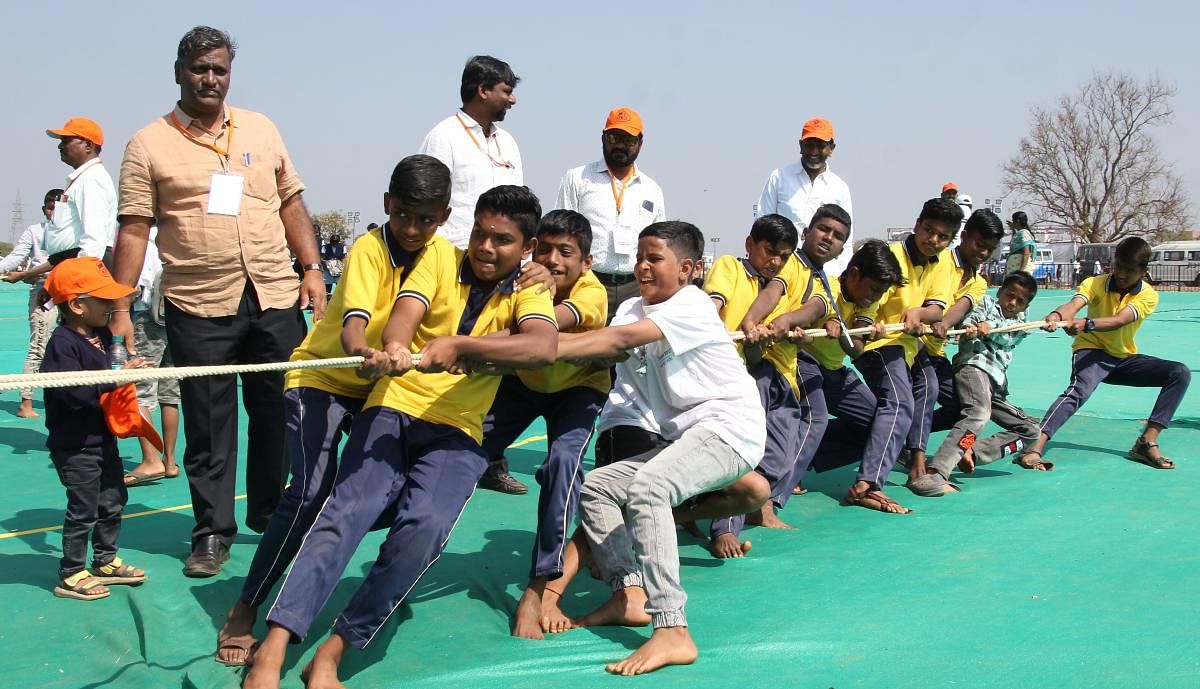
<point>94,479</point>
<point>210,413</point>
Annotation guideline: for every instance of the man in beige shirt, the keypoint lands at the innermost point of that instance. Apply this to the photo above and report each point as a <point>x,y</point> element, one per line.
<point>228,204</point>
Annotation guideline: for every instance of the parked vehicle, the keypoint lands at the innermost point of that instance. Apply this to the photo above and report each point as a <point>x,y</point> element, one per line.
<point>1043,264</point>
<point>1176,262</point>
<point>1094,259</point>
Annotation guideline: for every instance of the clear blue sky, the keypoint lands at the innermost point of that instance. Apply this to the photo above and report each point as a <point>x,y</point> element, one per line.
<point>919,93</point>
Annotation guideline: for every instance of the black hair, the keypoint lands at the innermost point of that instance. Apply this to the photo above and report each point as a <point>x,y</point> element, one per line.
<point>776,229</point>
<point>1021,279</point>
<point>985,223</point>
<point>684,238</point>
<point>943,211</point>
<point>570,223</point>
<point>833,211</point>
<point>875,261</point>
<point>420,179</point>
<point>485,71</point>
<point>518,204</point>
<point>202,39</point>
<point>1132,251</point>
<point>1020,221</point>
<point>373,225</point>
<point>52,195</point>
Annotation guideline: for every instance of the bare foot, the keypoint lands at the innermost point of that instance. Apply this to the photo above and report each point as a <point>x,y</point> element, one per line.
<point>321,671</point>
<point>767,518</point>
<point>528,623</point>
<point>727,545</point>
<point>967,463</point>
<point>799,490</point>
<point>626,608</point>
<point>554,620</point>
<point>150,466</point>
<point>170,468</point>
<point>268,660</point>
<point>26,410</point>
<point>235,641</point>
<point>666,646</point>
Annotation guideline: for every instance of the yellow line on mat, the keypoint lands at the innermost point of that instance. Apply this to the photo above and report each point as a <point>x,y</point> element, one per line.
<point>176,508</point>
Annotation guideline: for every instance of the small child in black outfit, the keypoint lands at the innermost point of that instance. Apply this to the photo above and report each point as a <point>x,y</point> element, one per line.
<point>82,448</point>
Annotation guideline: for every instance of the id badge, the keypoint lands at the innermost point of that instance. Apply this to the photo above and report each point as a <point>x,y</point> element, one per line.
<point>225,194</point>
<point>624,240</point>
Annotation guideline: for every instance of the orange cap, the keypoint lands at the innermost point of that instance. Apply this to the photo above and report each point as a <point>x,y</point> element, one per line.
<point>85,275</point>
<point>125,419</point>
<point>625,119</point>
<point>817,128</point>
<point>81,127</point>
<point>948,186</point>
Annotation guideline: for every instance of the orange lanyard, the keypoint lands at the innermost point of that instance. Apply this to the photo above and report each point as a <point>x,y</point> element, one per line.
<point>497,163</point>
<point>213,147</point>
<point>619,197</point>
<point>93,161</point>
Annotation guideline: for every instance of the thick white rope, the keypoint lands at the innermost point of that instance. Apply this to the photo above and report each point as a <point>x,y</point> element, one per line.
<point>66,379</point>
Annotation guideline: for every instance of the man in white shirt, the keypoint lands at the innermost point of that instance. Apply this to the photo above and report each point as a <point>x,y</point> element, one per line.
<point>619,200</point>
<point>798,189</point>
<point>478,152</point>
<point>29,250</point>
<point>85,218</point>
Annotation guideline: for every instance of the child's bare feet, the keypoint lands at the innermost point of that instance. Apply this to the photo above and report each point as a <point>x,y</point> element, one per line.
<point>767,518</point>
<point>967,463</point>
<point>666,646</point>
<point>528,621</point>
<point>554,620</point>
<point>727,545</point>
<point>321,671</point>
<point>268,660</point>
<point>626,608</point>
<point>235,641</point>
<point>26,410</point>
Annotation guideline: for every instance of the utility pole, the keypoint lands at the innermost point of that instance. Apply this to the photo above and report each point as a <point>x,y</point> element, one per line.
<point>18,220</point>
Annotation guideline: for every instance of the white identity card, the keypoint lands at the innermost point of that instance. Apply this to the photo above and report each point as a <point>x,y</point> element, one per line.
<point>225,194</point>
<point>624,240</point>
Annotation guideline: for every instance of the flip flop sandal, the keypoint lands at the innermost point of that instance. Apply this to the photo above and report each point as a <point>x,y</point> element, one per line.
<point>1033,466</point>
<point>139,478</point>
<point>1141,454</point>
<point>243,643</point>
<point>81,586</point>
<point>117,572</point>
<point>873,500</point>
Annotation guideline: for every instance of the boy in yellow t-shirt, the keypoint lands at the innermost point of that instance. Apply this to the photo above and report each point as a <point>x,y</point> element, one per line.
<point>1104,352</point>
<point>932,374</point>
<point>569,397</point>
<point>413,451</point>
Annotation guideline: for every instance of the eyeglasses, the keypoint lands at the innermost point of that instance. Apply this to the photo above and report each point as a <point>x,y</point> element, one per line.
<point>620,139</point>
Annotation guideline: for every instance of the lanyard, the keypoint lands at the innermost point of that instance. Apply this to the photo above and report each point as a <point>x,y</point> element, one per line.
<point>829,292</point>
<point>213,147</point>
<point>79,173</point>
<point>612,181</point>
<point>483,150</point>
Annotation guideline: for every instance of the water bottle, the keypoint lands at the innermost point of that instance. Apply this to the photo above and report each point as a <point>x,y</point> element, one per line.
<point>117,354</point>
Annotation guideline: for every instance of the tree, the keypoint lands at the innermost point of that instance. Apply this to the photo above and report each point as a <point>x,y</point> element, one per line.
<point>333,223</point>
<point>1091,165</point>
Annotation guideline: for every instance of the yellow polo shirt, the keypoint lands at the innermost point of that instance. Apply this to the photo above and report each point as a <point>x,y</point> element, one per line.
<point>928,283</point>
<point>457,304</point>
<point>589,301</point>
<point>972,286</point>
<point>1103,300</point>
<point>736,284</point>
<point>826,350</point>
<point>374,271</point>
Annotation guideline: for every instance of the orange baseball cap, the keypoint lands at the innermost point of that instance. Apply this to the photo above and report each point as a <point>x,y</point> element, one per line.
<point>81,127</point>
<point>625,119</point>
<point>81,276</point>
<point>817,128</point>
<point>124,417</point>
<point>948,186</point>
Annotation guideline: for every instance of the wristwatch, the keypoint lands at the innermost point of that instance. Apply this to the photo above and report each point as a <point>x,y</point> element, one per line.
<point>312,266</point>
<point>1088,325</point>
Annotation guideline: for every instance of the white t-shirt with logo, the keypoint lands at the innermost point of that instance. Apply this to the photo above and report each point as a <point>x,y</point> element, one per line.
<point>692,377</point>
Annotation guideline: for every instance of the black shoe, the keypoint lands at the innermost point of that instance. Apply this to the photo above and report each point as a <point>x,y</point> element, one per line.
<point>257,524</point>
<point>502,482</point>
<point>206,558</point>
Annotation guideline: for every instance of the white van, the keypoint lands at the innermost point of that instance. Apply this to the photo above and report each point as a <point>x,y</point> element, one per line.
<point>1176,262</point>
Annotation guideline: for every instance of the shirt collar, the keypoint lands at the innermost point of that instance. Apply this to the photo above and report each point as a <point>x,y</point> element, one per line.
<point>960,263</point>
<point>1110,285</point>
<point>802,172</point>
<point>914,255</point>
<point>399,256</point>
<point>600,167</point>
<point>466,276</point>
<point>805,260</point>
<point>80,170</point>
<point>751,271</point>
<point>188,121</point>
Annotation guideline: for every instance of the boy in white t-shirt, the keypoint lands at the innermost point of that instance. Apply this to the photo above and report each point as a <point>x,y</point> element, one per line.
<point>684,383</point>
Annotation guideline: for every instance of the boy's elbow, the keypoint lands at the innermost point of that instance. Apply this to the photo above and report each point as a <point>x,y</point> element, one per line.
<point>544,352</point>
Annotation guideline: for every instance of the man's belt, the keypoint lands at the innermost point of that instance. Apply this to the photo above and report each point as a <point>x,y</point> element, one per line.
<point>612,279</point>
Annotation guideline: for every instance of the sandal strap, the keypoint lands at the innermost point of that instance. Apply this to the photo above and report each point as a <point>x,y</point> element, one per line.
<point>77,580</point>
